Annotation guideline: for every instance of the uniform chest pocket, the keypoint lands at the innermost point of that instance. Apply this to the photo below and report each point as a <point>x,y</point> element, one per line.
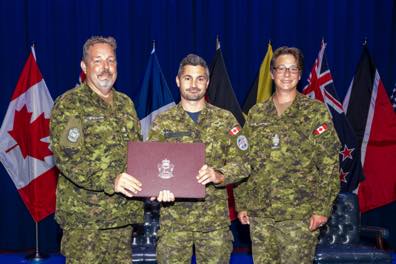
<point>260,140</point>
<point>298,140</point>
<point>261,137</point>
<point>216,147</point>
<point>97,129</point>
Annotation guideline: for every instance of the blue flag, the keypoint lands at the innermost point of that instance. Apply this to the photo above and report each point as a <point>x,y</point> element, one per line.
<point>155,96</point>
<point>321,87</point>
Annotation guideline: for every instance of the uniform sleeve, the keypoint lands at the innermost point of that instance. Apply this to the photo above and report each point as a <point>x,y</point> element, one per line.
<point>235,169</point>
<point>241,190</point>
<point>136,129</point>
<point>86,170</point>
<point>326,147</point>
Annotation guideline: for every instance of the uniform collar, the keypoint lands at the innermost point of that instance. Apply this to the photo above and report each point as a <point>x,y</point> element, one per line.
<point>204,110</point>
<point>203,113</point>
<point>292,110</point>
<point>96,99</point>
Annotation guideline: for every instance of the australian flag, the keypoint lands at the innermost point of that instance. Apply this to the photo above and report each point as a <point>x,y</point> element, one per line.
<point>321,87</point>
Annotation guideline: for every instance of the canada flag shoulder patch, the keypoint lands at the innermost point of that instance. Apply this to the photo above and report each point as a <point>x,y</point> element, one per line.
<point>235,130</point>
<point>322,128</point>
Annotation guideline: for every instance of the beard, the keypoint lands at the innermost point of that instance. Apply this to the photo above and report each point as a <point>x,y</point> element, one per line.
<point>105,80</point>
<point>105,84</point>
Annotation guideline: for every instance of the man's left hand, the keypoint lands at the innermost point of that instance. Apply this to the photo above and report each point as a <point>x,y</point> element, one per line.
<point>317,221</point>
<point>207,174</point>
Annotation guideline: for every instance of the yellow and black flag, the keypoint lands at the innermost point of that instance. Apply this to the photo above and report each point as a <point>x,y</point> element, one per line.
<point>262,88</point>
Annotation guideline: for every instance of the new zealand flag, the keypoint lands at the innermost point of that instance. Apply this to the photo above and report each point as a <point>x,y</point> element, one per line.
<point>321,87</point>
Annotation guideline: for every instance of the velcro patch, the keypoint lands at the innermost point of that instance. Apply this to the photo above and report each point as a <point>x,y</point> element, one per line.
<point>242,142</point>
<point>322,128</point>
<point>73,135</point>
<point>235,130</point>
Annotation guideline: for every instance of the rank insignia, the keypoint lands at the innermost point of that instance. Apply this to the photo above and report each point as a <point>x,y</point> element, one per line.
<point>275,141</point>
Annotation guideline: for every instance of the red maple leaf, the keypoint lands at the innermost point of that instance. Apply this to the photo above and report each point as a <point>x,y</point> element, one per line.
<point>29,135</point>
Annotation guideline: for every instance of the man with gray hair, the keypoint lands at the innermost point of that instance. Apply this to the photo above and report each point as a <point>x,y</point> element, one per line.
<point>90,127</point>
<point>203,223</point>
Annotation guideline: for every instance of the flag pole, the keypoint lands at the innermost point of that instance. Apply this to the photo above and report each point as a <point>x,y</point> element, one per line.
<point>153,50</point>
<point>36,257</point>
<point>217,42</point>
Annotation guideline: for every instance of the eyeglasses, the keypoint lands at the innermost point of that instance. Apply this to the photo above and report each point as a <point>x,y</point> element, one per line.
<point>281,69</point>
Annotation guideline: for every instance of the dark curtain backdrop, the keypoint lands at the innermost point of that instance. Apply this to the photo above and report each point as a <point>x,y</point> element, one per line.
<point>59,28</point>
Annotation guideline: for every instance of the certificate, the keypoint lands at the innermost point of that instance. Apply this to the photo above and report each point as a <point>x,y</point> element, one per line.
<point>167,166</point>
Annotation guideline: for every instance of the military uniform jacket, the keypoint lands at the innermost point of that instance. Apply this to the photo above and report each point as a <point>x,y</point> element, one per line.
<point>294,161</point>
<point>89,140</point>
<point>214,130</point>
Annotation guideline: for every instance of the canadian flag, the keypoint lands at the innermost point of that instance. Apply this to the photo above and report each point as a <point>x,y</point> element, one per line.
<point>235,130</point>
<point>320,129</point>
<point>24,142</point>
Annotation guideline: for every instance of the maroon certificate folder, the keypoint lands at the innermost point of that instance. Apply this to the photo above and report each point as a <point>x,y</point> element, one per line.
<point>167,166</point>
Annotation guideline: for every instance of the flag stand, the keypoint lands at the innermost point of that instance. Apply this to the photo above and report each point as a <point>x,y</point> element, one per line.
<point>37,257</point>
<point>39,187</point>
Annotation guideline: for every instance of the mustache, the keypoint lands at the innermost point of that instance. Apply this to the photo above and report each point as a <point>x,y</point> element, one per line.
<point>193,89</point>
<point>105,71</point>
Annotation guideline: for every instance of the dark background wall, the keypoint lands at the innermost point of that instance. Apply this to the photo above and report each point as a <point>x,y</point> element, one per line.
<point>59,28</point>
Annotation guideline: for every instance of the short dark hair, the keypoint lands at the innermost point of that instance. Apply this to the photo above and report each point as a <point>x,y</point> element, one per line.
<point>295,52</point>
<point>194,60</point>
<point>98,39</point>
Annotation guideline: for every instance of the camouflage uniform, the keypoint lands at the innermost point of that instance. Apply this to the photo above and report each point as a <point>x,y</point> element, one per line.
<point>294,174</point>
<point>89,140</point>
<point>203,223</point>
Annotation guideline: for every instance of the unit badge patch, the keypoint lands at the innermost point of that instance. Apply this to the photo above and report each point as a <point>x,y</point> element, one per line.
<point>73,135</point>
<point>242,142</point>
